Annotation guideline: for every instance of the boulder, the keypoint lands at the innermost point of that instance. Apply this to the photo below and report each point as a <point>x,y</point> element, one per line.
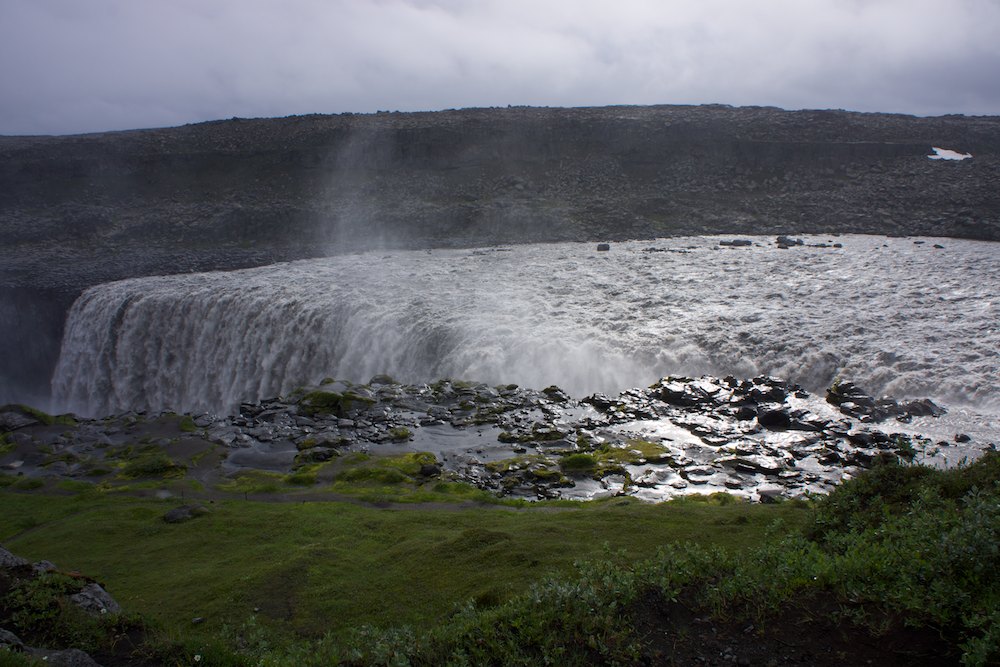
<point>773,417</point>
<point>11,420</point>
<point>771,495</point>
<point>10,641</point>
<point>9,560</point>
<point>603,247</point>
<point>70,657</point>
<point>555,394</point>
<point>43,566</point>
<point>96,601</point>
<point>184,513</point>
<point>430,470</point>
<point>924,407</point>
<point>317,455</point>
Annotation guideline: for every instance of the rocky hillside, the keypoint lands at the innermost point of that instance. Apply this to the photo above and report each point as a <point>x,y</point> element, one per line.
<point>80,210</point>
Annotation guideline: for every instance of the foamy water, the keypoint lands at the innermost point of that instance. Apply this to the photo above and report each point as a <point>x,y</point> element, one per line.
<point>895,317</point>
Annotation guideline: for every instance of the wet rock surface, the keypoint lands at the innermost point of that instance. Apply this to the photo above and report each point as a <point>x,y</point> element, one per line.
<point>760,438</point>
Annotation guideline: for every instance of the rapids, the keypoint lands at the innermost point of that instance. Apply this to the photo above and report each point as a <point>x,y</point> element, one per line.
<point>898,317</point>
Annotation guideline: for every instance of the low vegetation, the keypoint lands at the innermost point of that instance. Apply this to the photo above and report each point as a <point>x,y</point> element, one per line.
<point>902,560</point>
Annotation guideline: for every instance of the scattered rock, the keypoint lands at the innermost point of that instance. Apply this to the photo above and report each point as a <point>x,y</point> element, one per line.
<point>852,401</point>
<point>739,434</point>
<point>603,247</point>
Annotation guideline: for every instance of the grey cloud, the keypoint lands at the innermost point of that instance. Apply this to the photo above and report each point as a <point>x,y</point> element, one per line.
<point>111,64</point>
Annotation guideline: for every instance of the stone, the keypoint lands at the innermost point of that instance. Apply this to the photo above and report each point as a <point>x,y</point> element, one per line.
<point>70,657</point>
<point>317,455</point>
<point>753,464</point>
<point>11,421</point>
<point>43,566</point>
<point>924,407</point>
<point>962,437</point>
<point>737,243</point>
<point>9,560</point>
<point>603,247</point>
<point>204,421</point>
<point>96,601</point>
<point>773,418</point>
<point>10,641</point>
<point>770,495</point>
<point>430,470</point>
<point>184,513</point>
<point>555,394</point>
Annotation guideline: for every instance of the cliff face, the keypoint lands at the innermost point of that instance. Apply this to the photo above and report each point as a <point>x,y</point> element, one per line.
<point>80,210</point>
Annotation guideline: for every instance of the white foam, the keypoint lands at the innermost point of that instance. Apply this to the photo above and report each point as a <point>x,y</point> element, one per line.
<point>893,316</point>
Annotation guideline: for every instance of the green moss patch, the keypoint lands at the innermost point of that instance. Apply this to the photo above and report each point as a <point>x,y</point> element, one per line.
<point>400,469</point>
<point>579,463</point>
<point>321,402</point>
<point>152,465</point>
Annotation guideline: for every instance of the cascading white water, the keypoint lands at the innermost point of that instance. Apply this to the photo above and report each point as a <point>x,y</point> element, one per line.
<point>895,317</point>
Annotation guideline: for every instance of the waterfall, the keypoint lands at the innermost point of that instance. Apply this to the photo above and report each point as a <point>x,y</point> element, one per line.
<point>892,316</point>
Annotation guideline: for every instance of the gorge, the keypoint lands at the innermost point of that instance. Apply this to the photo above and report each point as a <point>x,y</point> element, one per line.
<point>79,211</point>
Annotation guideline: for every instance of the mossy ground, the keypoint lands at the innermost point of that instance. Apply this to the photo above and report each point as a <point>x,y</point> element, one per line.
<point>318,567</point>
<point>823,582</point>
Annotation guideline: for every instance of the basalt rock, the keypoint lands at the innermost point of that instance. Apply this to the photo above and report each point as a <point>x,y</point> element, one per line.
<point>853,401</point>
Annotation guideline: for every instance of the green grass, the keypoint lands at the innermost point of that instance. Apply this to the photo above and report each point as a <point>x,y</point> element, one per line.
<point>314,568</point>
<point>315,583</point>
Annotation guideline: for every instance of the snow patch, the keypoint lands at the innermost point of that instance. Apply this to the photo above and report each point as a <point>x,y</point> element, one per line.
<point>945,154</point>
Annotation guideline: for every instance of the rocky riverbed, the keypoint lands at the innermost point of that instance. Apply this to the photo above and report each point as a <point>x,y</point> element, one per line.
<point>760,438</point>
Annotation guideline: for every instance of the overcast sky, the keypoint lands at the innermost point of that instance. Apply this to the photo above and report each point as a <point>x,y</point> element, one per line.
<point>70,66</point>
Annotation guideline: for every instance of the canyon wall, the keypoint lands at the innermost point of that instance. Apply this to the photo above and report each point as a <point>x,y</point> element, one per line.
<point>80,210</point>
